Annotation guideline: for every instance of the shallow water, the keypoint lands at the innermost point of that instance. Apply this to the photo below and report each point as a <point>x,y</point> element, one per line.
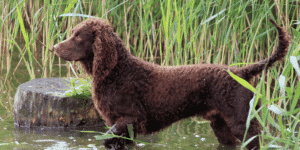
<point>185,134</point>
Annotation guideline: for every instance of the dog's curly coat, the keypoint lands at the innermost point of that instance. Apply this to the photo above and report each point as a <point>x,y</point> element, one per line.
<point>127,90</point>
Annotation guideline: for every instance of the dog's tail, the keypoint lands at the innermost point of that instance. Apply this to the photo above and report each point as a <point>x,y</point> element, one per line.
<point>282,48</point>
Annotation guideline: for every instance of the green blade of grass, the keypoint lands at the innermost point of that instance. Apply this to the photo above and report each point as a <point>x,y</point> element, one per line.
<point>242,82</point>
<point>30,67</point>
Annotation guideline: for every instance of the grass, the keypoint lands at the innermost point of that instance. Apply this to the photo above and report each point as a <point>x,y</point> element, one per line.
<point>168,33</point>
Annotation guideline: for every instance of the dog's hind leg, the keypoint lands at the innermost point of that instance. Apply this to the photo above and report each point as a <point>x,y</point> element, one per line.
<point>221,129</point>
<point>239,128</point>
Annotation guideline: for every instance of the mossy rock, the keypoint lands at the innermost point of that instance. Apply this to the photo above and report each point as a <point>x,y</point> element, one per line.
<point>41,102</point>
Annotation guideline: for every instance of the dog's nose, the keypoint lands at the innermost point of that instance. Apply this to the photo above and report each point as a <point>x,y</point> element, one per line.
<point>55,46</point>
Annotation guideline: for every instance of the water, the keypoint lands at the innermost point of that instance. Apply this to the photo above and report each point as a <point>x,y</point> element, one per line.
<point>192,133</point>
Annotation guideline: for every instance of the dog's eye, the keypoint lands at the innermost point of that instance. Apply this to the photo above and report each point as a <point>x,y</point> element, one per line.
<point>78,37</point>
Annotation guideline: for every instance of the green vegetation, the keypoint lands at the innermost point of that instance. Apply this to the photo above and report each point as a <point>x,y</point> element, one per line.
<point>79,89</point>
<point>168,33</point>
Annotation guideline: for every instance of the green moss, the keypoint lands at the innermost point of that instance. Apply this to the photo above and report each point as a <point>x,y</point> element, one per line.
<point>79,89</point>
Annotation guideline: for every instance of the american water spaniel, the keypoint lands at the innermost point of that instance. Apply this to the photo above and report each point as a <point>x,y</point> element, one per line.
<point>127,90</point>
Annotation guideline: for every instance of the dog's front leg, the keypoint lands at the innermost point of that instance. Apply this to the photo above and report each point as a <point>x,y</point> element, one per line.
<point>120,129</point>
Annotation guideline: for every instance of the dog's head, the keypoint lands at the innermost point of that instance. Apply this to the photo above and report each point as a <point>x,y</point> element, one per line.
<point>92,41</point>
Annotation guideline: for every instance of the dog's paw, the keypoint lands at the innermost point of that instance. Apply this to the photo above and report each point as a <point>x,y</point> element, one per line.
<point>117,143</point>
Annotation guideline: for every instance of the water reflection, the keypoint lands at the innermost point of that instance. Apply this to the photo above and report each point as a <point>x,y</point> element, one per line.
<point>58,138</point>
<point>186,134</point>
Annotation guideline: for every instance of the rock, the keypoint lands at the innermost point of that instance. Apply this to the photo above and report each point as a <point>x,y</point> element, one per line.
<point>39,102</point>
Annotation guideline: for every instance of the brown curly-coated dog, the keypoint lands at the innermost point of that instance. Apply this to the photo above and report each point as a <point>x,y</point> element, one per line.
<point>127,90</point>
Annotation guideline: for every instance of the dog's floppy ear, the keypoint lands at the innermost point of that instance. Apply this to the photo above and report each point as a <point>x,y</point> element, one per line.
<point>105,51</point>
